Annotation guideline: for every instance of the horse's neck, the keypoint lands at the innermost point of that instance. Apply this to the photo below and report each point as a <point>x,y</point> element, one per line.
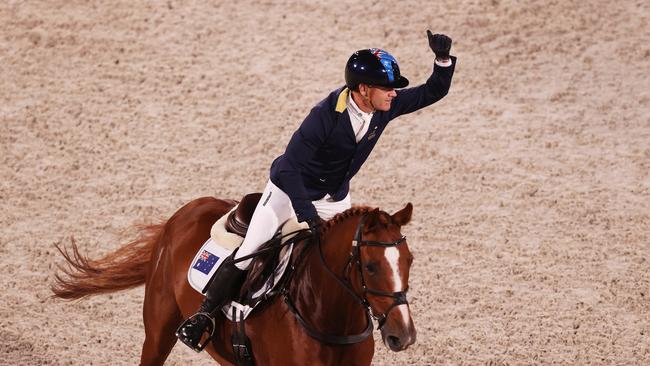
<point>319,295</point>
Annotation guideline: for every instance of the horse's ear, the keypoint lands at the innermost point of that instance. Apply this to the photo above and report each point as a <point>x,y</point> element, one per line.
<point>403,216</point>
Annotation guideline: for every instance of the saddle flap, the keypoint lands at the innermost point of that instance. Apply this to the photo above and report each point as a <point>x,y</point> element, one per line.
<point>264,267</point>
<point>269,283</point>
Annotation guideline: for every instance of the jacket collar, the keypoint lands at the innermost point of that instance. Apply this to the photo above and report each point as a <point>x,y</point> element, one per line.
<point>342,101</point>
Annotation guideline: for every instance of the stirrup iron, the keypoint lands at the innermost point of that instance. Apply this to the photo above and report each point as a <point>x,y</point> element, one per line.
<point>210,329</point>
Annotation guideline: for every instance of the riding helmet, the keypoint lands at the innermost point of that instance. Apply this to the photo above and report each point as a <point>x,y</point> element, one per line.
<point>373,67</point>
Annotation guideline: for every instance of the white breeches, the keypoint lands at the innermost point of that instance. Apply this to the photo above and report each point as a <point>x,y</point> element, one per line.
<point>272,211</point>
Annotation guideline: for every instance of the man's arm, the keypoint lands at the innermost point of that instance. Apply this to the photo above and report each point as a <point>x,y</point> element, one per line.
<point>436,87</point>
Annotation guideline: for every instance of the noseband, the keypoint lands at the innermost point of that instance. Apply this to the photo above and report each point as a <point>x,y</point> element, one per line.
<point>355,258</point>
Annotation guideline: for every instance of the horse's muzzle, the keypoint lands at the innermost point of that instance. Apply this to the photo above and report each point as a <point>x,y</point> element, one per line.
<point>399,332</point>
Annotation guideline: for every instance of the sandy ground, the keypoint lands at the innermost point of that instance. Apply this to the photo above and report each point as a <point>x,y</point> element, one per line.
<point>530,181</point>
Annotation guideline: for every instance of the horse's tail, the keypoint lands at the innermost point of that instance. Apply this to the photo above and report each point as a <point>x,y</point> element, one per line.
<point>122,269</point>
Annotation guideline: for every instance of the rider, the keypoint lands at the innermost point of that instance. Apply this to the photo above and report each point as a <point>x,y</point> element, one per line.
<point>311,179</point>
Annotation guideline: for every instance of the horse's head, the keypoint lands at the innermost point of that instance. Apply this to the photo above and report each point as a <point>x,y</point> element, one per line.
<point>383,261</point>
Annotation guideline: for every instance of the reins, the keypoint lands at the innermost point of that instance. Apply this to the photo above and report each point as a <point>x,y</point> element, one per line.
<point>274,247</point>
<point>328,338</point>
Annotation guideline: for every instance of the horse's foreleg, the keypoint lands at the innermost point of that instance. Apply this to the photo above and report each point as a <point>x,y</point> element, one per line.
<point>161,317</point>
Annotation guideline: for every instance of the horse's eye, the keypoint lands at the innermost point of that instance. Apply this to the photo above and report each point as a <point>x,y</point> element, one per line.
<point>371,268</point>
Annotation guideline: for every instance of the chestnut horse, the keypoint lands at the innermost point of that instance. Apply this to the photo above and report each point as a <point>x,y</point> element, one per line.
<point>360,268</point>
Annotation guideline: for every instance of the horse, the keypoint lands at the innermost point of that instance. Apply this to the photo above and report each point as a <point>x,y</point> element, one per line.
<point>357,270</point>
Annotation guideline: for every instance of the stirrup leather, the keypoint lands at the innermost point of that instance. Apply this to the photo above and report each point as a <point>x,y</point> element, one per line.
<point>210,329</point>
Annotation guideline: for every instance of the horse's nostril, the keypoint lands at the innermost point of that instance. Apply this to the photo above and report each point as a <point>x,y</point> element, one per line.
<point>394,342</point>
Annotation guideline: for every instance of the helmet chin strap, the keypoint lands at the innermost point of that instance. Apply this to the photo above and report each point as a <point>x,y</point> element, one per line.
<point>367,102</point>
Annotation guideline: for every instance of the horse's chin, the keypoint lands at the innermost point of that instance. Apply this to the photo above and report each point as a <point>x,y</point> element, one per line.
<point>398,340</point>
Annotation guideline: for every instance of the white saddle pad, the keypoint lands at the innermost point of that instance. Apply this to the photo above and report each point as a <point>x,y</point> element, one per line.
<point>220,245</point>
<point>217,248</point>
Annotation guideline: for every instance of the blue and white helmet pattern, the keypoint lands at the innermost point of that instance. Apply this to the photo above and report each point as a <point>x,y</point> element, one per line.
<point>374,67</point>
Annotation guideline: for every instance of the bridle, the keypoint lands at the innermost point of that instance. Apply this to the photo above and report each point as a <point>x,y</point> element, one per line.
<point>399,297</point>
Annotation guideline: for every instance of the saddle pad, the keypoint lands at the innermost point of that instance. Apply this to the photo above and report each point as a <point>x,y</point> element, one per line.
<point>212,253</point>
<point>220,245</point>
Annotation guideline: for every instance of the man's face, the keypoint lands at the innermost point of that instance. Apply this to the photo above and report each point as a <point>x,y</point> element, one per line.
<point>381,97</point>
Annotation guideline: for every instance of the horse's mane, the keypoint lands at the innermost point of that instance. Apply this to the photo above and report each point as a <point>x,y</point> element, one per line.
<point>329,224</point>
<point>261,264</point>
<point>338,218</point>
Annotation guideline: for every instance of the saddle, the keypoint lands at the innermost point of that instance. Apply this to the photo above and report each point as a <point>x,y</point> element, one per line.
<point>238,220</point>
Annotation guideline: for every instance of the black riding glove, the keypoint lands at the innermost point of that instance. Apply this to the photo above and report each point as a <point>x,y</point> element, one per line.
<point>440,45</point>
<point>314,225</point>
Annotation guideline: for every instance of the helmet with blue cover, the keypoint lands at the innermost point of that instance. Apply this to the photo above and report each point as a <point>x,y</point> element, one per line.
<point>374,67</point>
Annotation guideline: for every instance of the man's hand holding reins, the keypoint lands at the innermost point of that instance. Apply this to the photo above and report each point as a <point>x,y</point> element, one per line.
<point>315,224</point>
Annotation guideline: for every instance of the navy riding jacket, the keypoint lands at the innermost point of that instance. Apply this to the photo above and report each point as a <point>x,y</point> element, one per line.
<point>323,155</point>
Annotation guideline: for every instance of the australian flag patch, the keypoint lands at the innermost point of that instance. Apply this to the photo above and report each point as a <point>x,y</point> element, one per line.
<point>205,262</point>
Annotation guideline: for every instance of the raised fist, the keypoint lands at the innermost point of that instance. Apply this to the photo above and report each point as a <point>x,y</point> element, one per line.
<point>440,45</point>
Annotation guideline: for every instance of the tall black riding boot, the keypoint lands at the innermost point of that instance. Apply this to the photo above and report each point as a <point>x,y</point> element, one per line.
<point>223,287</point>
